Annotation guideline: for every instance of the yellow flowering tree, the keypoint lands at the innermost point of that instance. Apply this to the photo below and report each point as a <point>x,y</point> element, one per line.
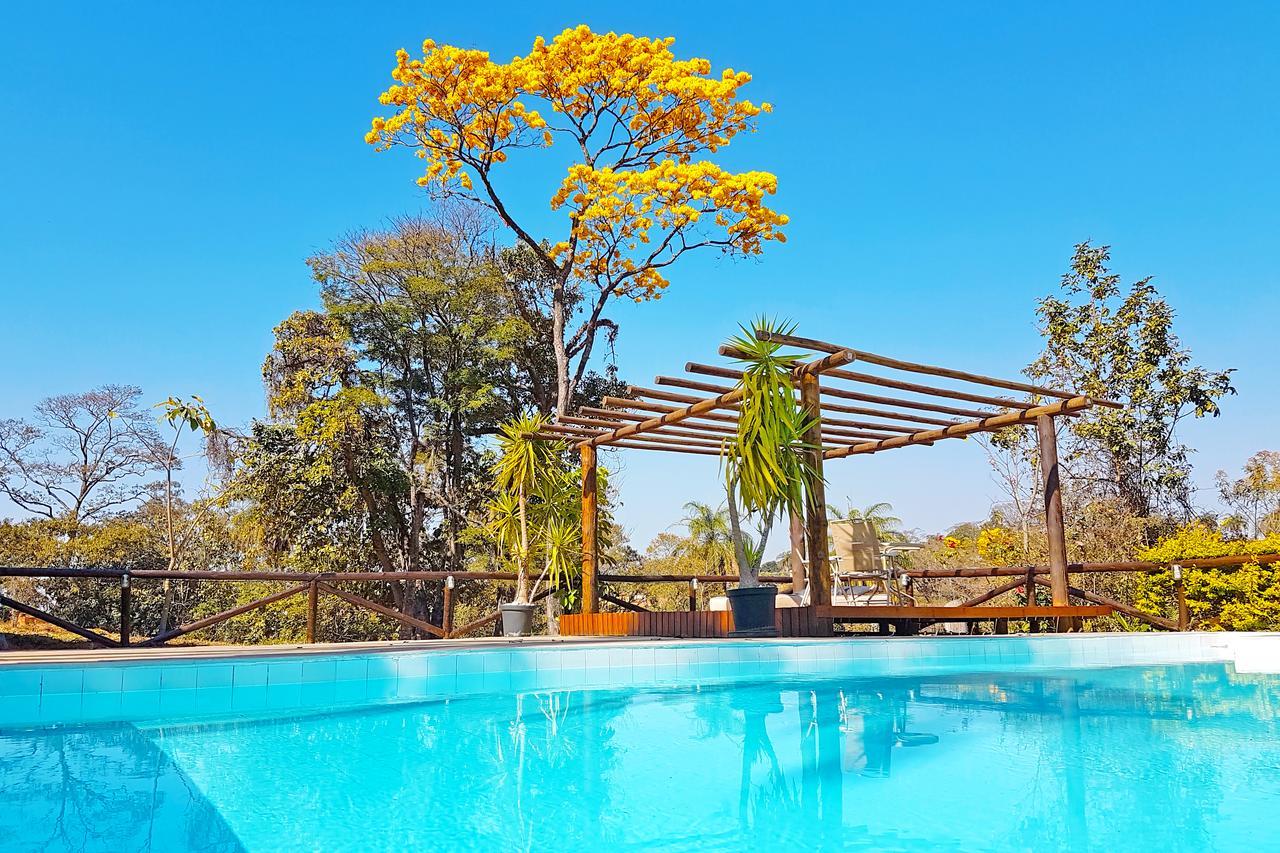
<point>636,195</point>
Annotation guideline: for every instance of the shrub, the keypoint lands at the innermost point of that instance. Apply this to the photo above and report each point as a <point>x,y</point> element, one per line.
<point>1243,599</point>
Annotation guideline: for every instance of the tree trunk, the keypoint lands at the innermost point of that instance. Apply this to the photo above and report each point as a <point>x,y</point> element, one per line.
<point>553,615</point>
<point>166,609</point>
<point>559,319</point>
<point>748,575</point>
<point>522,580</point>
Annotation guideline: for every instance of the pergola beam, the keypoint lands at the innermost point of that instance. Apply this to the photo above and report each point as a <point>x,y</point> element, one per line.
<point>899,385</point>
<point>844,393</point>
<point>631,443</point>
<point>677,382</point>
<point>643,405</point>
<point>929,369</point>
<point>990,424</point>
<point>704,442</point>
<point>827,405</point>
<point>812,368</point>
<point>708,441</point>
<point>612,420</point>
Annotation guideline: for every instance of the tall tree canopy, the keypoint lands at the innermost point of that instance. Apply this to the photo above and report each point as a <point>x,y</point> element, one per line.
<point>634,199</point>
<point>428,339</point>
<point>1119,343</point>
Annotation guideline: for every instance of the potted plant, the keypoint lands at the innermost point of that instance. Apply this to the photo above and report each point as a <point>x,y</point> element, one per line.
<point>532,516</point>
<point>767,467</point>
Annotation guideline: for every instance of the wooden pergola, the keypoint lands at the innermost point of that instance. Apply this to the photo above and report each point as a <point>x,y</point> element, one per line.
<point>853,413</point>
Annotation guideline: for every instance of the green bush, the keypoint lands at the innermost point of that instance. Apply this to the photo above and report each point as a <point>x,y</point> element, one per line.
<point>1243,599</point>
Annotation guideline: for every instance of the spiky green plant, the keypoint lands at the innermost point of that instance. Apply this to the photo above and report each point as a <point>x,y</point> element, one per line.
<point>524,463</point>
<point>767,463</point>
<point>535,517</point>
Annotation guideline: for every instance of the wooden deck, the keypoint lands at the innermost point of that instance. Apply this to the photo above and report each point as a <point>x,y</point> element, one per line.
<point>804,621</point>
<point>790,621</point>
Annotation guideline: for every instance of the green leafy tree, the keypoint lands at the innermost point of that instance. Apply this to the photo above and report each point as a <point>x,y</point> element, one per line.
<point>1113,342</point>
<point>1254,497</point>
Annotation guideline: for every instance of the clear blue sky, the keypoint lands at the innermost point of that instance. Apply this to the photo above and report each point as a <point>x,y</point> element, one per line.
<point>165,168</point>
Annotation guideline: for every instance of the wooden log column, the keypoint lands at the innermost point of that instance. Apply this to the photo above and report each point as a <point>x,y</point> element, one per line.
<point>816,511</point>
<point>1054,527</point>
<point>590,517</point>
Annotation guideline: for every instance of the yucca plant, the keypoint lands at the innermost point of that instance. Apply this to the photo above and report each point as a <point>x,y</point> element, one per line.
<point>524,465</point>
<point>766,464</point>
<point>535,516</point>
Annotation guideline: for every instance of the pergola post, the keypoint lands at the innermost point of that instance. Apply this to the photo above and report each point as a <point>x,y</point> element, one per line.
<point>1054,527</point>
<point>590,517</point>
<point>816,511</point>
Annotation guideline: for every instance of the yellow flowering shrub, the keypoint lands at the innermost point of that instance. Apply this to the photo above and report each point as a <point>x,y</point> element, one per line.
<point>1244,599</point>
<point>633,116</point>
<point>999,547</point>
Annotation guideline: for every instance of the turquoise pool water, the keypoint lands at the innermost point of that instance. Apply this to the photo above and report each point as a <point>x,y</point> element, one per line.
<point>1169,757</point>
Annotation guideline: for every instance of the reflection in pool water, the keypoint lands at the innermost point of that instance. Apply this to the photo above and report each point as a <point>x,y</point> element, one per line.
<point>1169,758</point>
<point>101,788</point>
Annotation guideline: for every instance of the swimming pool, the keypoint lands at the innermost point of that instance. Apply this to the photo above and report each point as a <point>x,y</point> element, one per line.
<point>1122,741</point>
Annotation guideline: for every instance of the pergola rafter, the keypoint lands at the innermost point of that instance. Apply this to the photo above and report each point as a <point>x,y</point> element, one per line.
<point>670,421</point>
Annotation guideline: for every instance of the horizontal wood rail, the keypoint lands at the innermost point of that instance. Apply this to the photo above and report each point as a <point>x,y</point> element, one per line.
<point>1224,563</point>
<point>952,613</point>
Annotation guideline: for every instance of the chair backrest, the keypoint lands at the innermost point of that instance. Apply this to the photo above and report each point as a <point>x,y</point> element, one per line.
<point>855,543</point>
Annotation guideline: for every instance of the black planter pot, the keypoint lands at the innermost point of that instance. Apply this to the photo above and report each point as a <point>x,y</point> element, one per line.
<point>516,619</point>
<point>752,608</point>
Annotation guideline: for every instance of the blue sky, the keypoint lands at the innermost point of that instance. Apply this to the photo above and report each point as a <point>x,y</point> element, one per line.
<point>166,168</point>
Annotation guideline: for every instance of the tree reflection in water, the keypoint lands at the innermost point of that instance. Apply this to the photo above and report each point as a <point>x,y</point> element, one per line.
<point>101,788</point>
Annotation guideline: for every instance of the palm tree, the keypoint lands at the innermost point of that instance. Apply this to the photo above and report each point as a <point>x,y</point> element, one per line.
<point>884,525</point>
<point>710,538</point>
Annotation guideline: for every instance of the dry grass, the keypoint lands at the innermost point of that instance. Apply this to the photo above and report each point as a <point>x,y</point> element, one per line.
<point>25,634</point>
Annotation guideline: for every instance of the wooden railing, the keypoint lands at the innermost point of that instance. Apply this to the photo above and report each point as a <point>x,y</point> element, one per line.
<point>313,586</point>
<point>1029,576</point>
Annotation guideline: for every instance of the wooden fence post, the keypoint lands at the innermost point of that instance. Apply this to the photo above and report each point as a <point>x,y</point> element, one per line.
<point>447,619</point>
<point>313,596</point>
<point>1179,588</point>
<point>1033,624</point>
<point>126,609</point>
<point>590,517</point>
